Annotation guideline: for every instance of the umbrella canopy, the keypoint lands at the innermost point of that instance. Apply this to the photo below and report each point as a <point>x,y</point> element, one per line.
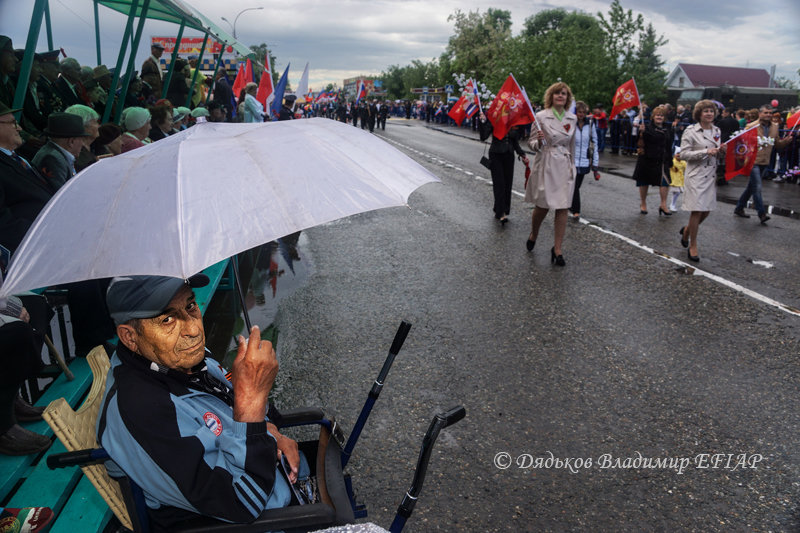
<point>193,199</point>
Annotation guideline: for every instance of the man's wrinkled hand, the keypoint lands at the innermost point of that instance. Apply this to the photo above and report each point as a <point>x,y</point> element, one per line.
<point>287,447</point>
<point>252,374</point>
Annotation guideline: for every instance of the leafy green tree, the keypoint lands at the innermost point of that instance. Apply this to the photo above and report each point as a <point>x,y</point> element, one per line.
<point>260,51</point>
<point>620,28</point>
<point>393,81</point>
<point>478,42</point>
<point>570,46</point>
<point>641,61</point>
<point>647,67</point>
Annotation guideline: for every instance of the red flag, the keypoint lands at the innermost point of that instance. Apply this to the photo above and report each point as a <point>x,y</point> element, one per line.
<point>792,121</point>
<point>239,82</point>
<point>627,96</point>
<point>741,153</point>
<point>459,110</point>
<point>248,72</point>
<point>265,88</point>
<point>509,108</point>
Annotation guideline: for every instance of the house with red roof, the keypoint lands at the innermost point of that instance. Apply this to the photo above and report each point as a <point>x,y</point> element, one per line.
<point>732,86</point>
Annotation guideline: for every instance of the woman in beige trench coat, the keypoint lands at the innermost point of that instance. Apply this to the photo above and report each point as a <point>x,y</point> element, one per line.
<point>700,148</point>
<point>553,179</point>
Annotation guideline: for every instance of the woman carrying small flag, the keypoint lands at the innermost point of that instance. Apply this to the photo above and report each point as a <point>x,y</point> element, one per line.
<point>553,180</point>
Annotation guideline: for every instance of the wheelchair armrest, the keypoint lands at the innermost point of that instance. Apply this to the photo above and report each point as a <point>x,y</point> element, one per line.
<point>299,417</point>
<point>90,456</point>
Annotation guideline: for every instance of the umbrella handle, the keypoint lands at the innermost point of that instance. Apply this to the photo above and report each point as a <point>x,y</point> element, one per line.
<point>235,263</point>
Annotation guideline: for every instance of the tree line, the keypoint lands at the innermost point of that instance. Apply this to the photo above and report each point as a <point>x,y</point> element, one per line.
<point>593,54</point>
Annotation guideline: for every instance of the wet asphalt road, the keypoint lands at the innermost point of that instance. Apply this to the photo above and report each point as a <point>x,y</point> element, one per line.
<point>619,355</point>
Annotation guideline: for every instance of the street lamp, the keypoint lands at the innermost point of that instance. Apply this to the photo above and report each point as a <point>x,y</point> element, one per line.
<point>233,26</point>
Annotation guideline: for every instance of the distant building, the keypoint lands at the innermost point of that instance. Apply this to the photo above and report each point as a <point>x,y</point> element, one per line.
<point>732,86</point>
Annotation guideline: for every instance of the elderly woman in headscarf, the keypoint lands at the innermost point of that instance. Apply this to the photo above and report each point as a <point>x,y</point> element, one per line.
<point>137,126</point>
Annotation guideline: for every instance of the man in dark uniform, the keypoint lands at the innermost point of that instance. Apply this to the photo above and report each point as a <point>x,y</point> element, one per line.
<point>341,112</point>
<point>354,112</point>
<point>8,65</point>
<point>223,94</point>
<point>23,191</point>
<point>151,69</point>
<point>31,107</point>
<point>383,112</point>
<point>286,109</point>
<point>49,101</point>
<point>69,86</point>
<point>363,111</point>
<point>408,109</point>
<point>373,115</point>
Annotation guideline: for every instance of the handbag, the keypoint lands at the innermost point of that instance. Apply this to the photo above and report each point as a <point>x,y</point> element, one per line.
<point>485,160</point>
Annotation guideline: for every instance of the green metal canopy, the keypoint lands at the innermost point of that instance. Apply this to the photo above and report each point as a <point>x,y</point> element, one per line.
<point>179,12</point>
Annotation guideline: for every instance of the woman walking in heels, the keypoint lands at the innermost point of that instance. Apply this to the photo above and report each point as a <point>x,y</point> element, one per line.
<point>501,159</point>
<point>700,148</point>
<point>553,180</point>
<point>655,159</point>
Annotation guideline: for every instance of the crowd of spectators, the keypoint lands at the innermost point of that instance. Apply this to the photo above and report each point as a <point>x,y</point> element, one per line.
<point>620,134</point>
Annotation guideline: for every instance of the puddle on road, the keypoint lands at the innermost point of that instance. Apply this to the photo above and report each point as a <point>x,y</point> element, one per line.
<point>275,271</point>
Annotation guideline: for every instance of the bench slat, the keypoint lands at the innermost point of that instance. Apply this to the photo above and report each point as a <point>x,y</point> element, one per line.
<point>45,487</point>
<point>85,511</point>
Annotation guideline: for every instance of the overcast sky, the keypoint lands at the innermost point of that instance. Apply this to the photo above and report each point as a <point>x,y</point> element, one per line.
<point>342,39</point>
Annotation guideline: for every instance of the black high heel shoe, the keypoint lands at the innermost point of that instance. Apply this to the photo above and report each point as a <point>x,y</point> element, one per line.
<point>695,258</point>
<point>684,242</point>
<point>529,244</point>
<point>557,259</point>
<point>665,213</point>
<point>503,221</point>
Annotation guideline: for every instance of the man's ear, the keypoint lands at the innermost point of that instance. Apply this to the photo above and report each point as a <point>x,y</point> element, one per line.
<point>128,336</point>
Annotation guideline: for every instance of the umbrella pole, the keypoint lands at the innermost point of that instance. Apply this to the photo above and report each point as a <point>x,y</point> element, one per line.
<point>238,281</point>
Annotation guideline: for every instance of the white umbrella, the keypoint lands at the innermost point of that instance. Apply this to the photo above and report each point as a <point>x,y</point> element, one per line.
<point>181,204</point>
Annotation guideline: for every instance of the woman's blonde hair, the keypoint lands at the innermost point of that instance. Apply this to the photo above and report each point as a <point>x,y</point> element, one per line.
<point>659,110</point>
<point>581,106</point>
<point>702,105</point>
<point>553,89</point>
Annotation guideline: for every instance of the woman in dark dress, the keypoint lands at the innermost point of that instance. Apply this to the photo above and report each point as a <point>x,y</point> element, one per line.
<point>655,159</point>
<point>501,159</point>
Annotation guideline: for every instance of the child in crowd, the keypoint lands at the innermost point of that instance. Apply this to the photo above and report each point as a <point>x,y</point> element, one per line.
<point>676,177</point>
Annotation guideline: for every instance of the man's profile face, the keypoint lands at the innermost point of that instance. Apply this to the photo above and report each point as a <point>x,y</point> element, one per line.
<point>175,338</point>
<point>9,132</point>
<point>157,52</point>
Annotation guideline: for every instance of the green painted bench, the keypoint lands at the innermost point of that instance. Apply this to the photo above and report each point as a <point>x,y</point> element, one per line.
<point>71,496</point>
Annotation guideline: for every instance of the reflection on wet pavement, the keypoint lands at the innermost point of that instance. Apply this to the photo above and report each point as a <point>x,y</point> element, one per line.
<point>271,272</point>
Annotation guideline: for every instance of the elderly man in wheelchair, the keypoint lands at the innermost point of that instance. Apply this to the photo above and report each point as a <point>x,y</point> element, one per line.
<point>194,448</point>
<point>197,440</point>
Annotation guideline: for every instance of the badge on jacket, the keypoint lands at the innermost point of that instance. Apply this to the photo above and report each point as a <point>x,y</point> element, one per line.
<point>213,423</point>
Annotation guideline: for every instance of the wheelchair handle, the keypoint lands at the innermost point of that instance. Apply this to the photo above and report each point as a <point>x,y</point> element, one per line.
<point>77,458</point>
<point>452,416</point>
<point>439,422</point>
<point>400,337</point>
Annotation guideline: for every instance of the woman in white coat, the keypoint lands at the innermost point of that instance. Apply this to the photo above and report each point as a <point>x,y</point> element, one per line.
<point>553,180</point>
<point>700,148</point>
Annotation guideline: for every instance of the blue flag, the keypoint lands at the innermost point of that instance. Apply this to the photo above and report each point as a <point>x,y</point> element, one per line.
<point>279,90</point>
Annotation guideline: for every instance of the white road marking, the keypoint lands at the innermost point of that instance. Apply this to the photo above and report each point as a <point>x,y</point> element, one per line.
<point>691,268</point>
